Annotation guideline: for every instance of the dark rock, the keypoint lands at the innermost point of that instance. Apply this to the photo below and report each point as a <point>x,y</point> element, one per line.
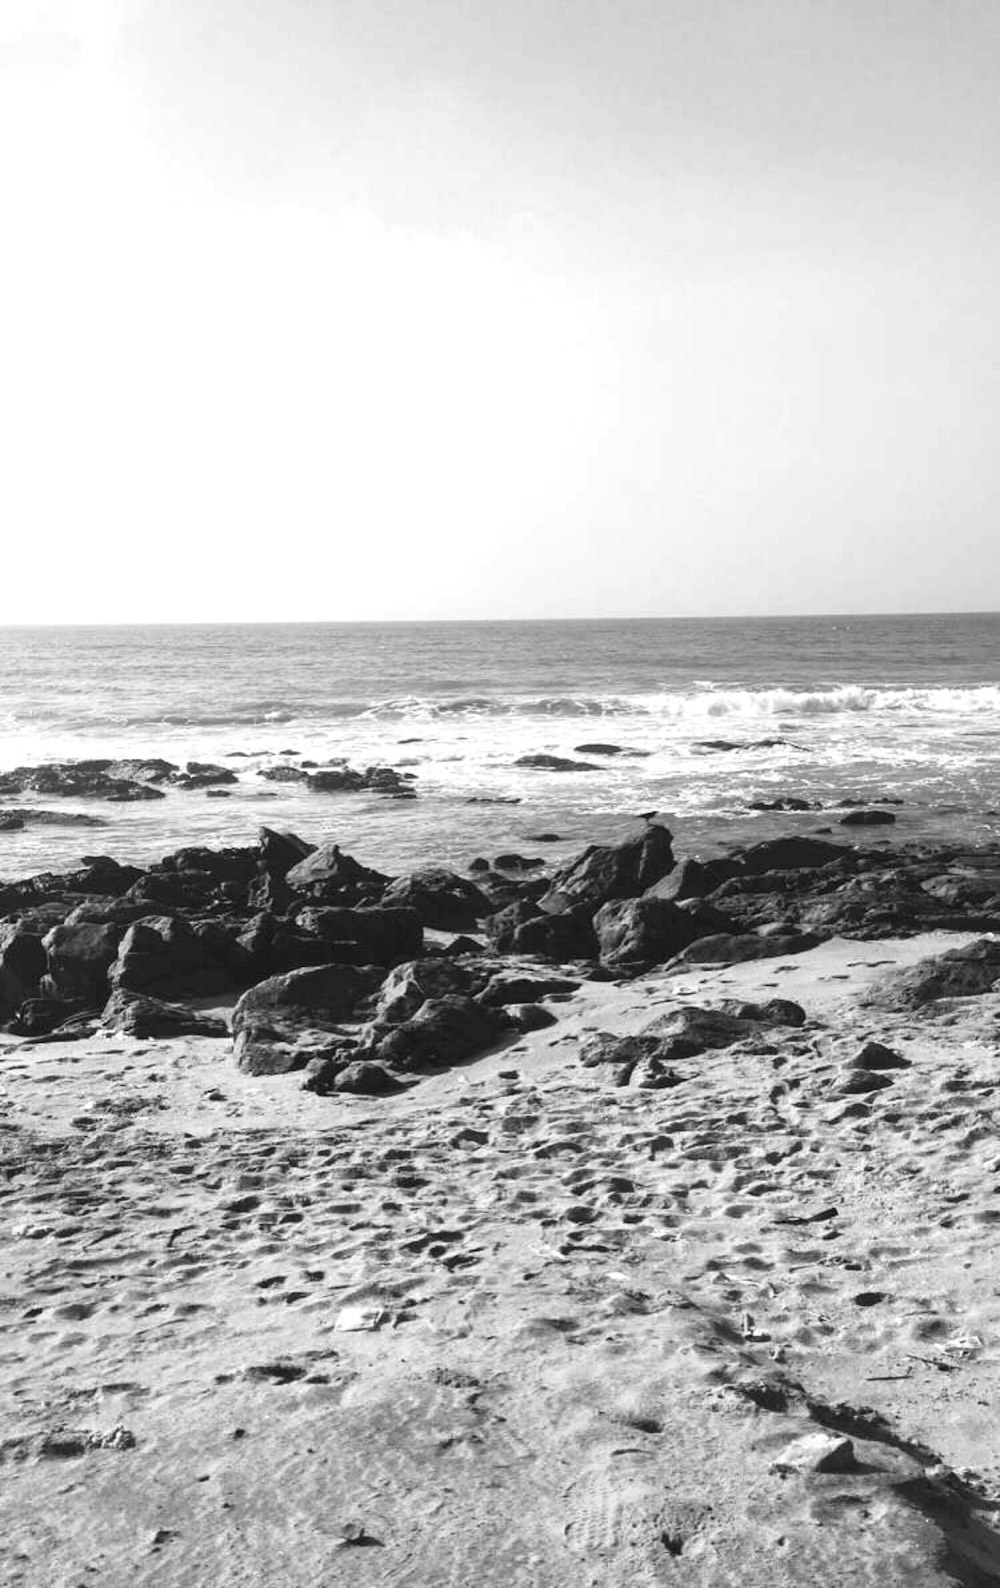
<point>35,816</point>
<point>529,1017</point>
<point>544,838</point>
<point>790,854</point>
<point>501,926</point>
<point>283,1022</point>
<point>460,946</point>
<point>876,1056</point>
<point>280,851</point>
<point>366,1079</point>
<point>958,973</point>
<point>407,988</point>
<point>858,1082</point>
<point>512,987</point>
<point>638,1060</point>
<point>692,879</point>
<point>78,959</point>
<point>22,965</point>
<point>283,774</point>
<point>328,876</point>
<point>101,874</point>
<point>598,749</point>
<point>554,763</point>
<point>517,863</point>
<point>372,936</point>
<point>867,818</point>
<point>218,794</point>
<point>443,1031</point>
<point>131,1015</point>
<point>748,744</point>
<point>374,779</point>
<point>612,871</point>
<point>39,1017</point>
<point>691,1030</point>
<point>728,949</point>
<point>202,774</point>
<point>441,898</point>
<point>11,823</point>
<point>479,864</point>
<point>775,1012</point>
<point>95,779</point>
<point>167,957</point>
<point>566,936</point>
<point>638,933</point>
<point>789,802</point>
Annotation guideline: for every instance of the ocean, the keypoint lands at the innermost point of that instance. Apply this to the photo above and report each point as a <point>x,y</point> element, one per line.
<point>855,708</point>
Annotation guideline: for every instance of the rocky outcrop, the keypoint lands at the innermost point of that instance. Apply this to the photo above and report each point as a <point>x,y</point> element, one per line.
<point>169,957</point>
<point>959,973</point>
<point>134,1015</point>
<point>611,871</point>
<point>569,935</point>
<point>78,960</point>
<point>635,934</point>
<point>444,1031</point>
<point>328,876</point>
<point>376,935</point>
<point>22,964</point>
<point>281,1023</point>
<point>441,898</point>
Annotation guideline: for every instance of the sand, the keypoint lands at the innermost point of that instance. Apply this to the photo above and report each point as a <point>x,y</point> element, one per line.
<point>516,1325</point>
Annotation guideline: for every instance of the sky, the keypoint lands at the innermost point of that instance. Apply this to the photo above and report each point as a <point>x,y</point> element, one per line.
<point>382,309</point>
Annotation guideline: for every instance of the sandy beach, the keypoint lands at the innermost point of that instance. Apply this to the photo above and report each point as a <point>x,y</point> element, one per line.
<point>517,1324</point>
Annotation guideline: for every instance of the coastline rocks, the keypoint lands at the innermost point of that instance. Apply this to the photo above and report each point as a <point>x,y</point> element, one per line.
<point>441,898</point>
<point>568,935</point>
<point>39,1017</point>
<point>281,1023</point>
<point>958,973</point>
<point>377,935</point>
<point>78,960</point>
<point>202,774</point>
<point>693,879</point>
<point>22,965</point>
<point>726,948</point>
<point>135,1015</point>
<point>374,779</point>
<point>501,926</point>
<point>11,823</point>
<point>790,854</point>
<point>639,933</point>
<point>611,871</point>
<point>328,876</point>
<point>554,763</point>
<point>407,988</point>
<point>34,816</point>
<point>95,779</point>
<point>868,818</point>
<point>444,1031</point>
<point>169,957</point>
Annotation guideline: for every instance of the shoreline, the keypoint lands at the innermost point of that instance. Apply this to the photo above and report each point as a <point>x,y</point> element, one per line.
<point>689,1311</point>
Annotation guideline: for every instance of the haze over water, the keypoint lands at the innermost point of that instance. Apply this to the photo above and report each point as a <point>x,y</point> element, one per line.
<point>906,707</point>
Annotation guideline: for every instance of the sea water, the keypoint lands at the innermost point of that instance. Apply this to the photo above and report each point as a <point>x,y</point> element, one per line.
<point>855,708</point>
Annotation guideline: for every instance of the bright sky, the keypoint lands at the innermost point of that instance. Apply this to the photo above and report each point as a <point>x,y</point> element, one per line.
<point>338,309</point>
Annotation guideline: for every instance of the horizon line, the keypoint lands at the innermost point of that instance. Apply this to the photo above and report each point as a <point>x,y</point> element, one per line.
<point>708,617</point>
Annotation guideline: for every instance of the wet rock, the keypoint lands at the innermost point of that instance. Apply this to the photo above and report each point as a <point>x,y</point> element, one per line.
<point>790,854</point>
<point>441,898</point>
<point>517,863</point>
<point>134,1015</point>
<point>611,871</point>
<point>283,774</point>
<point>346,780</point>
<point>554,763</point>
<point>36,816</point>
<point>789,802</point>
<point>11,823</point>
<point>93,779</point>
<point>638,933</point>
<point>202,774</point>
<point>868,818</point>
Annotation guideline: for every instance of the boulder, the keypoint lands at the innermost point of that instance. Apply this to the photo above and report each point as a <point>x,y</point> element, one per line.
<point>611,871</point>
<point>555,763</point>
<point>514,987</point>
<point>39,1017</point>
<point>775,1012</point>
<point>328,876</point>
<point>283,1022</point>
<point>959,973</point>
<point>638,933</point>
<point>409,986</point>
<point>868,818</point>
<point>134,1015</point>
<point>202,774</point>
<point>22,965</point>
<point>567,935</point>
<point>441,898</point>
<point>876,1056</point>
<point>791,854</point>
<point>372,936</point>
<point>167,957</point>
<point>443,1031</point>
<point>11,823</point>
<point>692,879</point>
<point>502,924</point>
<point>735,949</point>
<point>78,959</point>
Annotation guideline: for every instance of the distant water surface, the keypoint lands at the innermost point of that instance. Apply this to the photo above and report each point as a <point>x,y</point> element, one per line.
<point>900,706</point>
